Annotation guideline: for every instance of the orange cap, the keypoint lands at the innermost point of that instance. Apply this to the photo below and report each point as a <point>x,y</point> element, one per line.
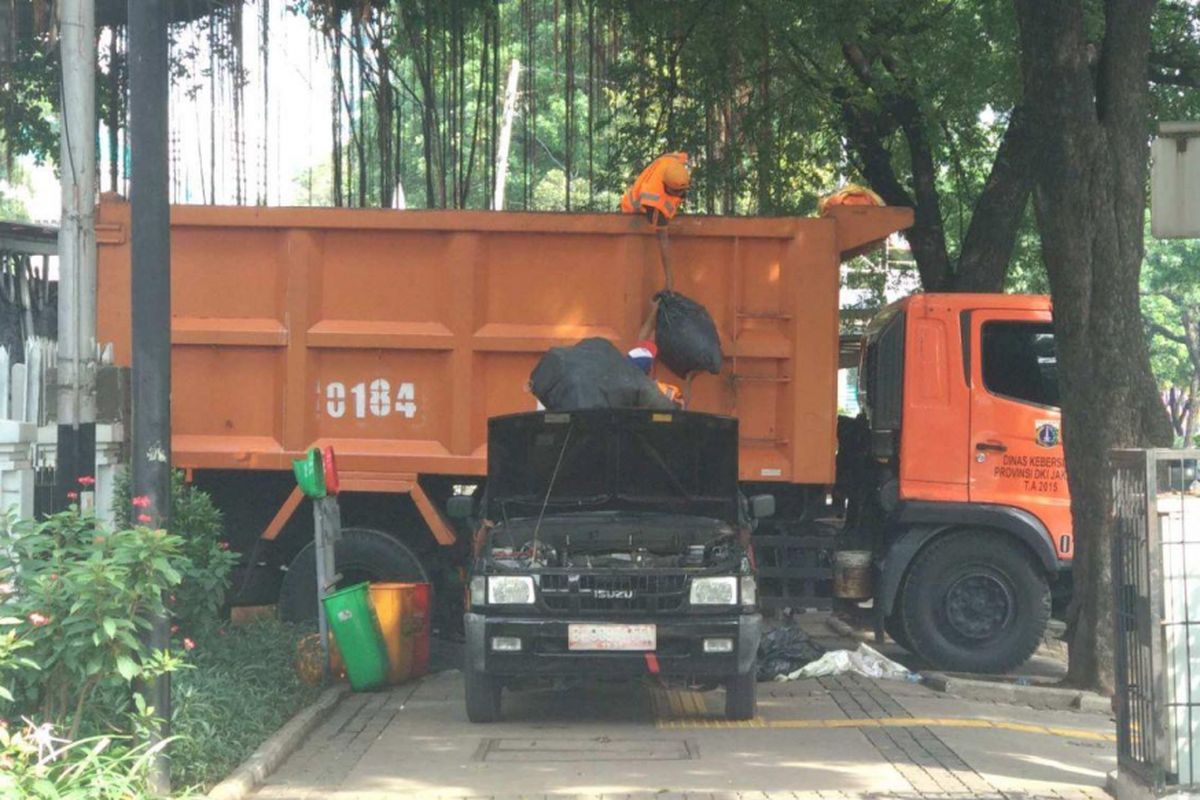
<point>676,178</point>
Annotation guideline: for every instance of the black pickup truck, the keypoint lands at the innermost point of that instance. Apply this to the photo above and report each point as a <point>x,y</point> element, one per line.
<point>612,543</point>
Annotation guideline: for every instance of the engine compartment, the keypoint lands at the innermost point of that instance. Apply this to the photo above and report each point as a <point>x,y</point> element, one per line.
<point>606,540</point>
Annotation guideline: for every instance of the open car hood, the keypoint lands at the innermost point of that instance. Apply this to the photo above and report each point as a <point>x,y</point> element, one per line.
<point>675,462</point>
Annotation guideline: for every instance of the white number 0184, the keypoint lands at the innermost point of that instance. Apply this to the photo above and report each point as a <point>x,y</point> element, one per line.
<point>374,396</point>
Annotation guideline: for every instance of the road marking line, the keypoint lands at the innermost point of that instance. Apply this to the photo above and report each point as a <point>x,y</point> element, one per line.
<point>888,722</point>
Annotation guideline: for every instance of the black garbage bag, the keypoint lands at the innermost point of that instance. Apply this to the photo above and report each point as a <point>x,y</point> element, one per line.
<point>686,336</point>
<point>593,374</point>
<point>785,650</point>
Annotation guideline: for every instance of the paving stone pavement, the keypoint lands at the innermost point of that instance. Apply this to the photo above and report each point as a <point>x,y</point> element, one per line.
<point>918,754</point>
<point>611,741</point>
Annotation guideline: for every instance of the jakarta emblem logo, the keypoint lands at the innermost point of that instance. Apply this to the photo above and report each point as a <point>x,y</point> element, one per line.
<point>1047,434</point>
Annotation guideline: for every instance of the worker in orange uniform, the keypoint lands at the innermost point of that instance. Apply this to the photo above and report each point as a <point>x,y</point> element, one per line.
<point>658,193</point>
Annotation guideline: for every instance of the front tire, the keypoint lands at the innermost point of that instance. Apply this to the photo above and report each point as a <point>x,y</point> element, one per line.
<point>483,693</point>
<point>361,554</point>
<point>974,601</point>
<point>894,626</point>
<point>741,696</point>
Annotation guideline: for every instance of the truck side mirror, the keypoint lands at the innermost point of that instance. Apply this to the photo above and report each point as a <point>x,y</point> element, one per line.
<point>762,506</point>
<point>460,506</point>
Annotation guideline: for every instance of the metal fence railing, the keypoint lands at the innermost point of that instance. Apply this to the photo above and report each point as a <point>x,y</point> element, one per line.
<point>1156,582</point>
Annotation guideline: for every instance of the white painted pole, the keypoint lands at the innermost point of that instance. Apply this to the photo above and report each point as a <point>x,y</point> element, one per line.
<point>510,111</point>
<point>76,395</point>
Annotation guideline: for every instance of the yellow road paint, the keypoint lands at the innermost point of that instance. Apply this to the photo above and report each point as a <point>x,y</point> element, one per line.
<point>686,709</point>
<point>888,722</point>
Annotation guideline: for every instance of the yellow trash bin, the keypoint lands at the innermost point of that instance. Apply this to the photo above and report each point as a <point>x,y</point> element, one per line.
<point>391,601</point>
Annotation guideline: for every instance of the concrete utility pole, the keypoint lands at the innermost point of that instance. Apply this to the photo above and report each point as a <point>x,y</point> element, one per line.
<point>76,450</point>
<point>510,111</point>
<point>150,249</point>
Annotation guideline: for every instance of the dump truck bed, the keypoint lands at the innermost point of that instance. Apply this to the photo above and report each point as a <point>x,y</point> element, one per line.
<point>395,335</point>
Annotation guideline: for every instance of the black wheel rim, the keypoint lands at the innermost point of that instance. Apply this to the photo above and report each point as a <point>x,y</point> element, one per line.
<point>979,605</point>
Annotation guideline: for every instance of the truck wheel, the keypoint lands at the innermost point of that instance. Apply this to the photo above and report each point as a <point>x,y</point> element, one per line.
<point>974,602</point>
<point>741,696</point>
<point>483,696</point>
<point>361,554</point>
<point>894,626</point>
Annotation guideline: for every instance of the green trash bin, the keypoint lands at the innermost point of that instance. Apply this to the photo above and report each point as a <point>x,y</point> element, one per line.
<point>354,627</point>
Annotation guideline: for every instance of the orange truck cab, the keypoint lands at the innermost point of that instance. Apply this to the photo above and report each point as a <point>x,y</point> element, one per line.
<point>964,501</point>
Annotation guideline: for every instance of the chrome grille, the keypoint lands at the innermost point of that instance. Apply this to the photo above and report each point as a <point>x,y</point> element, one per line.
<point>628,593</point>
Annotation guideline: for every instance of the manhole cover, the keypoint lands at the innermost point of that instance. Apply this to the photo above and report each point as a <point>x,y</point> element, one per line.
<point>597,749</point>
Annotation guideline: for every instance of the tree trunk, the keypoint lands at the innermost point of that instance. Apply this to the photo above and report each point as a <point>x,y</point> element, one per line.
<point>1091,150</point>
<point>1176,409</point>
<point>1189,411</point>
<point>385,108</point>
<point>996,218</point>
<point>336,115</point>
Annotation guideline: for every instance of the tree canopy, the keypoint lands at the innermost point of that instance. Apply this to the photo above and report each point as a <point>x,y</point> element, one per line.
<point>777,101</point>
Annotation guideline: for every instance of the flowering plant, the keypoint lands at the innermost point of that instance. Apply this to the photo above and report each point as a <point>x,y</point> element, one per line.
<point>81,599</point>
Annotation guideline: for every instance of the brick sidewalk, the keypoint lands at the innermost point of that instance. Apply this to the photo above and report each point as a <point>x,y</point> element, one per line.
<point>613,742</point>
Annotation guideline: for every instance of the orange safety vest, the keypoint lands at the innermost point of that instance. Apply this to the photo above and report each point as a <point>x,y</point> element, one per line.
<point>648,192</point>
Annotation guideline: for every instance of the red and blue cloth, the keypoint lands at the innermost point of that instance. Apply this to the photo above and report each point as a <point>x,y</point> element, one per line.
<point>642,355</point>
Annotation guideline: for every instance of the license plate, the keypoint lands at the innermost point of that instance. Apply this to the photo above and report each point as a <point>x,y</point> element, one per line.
<point>612,637</point>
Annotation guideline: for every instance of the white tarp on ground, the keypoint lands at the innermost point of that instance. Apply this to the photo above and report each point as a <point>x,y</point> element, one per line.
<point>866,660</point>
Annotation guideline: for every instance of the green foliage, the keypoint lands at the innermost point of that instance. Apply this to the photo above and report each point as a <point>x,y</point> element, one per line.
<point>29,90</point>
<point>208,563</point>
<point>84,597</point>
<point>11,644</point>
<point>78,601</point>
<point>13,182</point>
<point>38,765</point>
<point>242,689</point>
<point>1171,310</point>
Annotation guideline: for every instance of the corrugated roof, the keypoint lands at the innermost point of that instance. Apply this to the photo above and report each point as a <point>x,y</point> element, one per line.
<point>23,237</point>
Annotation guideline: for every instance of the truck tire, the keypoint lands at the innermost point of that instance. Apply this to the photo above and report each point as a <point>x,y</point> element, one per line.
<point>741,696</point>
<point>974,602</point>
<point>361,554</point>
<point>894,625</point>
<point>483,696</point>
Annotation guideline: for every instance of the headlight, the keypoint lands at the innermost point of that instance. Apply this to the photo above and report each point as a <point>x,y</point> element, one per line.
<point>478,590</point>
<point>510,590</point>
<point>749,590</point>
<point>714,591</point>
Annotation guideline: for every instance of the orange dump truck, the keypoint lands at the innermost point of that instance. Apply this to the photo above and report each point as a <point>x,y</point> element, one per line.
<point>395,336</point>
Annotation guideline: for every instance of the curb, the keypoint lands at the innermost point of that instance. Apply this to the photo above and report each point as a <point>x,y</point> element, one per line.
<point>252,772</point>
<point>840,628</point>
<point>1028,695</point>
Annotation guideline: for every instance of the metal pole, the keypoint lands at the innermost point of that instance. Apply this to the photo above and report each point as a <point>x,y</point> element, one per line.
<point>150,247</point>
<point>327,518</point>
<point>76,390</point>
<point>510,111</point>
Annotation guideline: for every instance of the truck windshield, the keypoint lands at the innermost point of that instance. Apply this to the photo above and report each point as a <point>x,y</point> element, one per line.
<point>677,462</point>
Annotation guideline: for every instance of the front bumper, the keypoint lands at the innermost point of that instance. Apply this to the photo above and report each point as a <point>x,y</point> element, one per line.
<point>680,650</point>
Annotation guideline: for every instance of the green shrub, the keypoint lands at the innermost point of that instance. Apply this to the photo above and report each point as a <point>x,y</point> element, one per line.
<point>35,763</point>
<point>242,688</point>
<point>206,574</point>
<point>78,600</point>
<point>10,645</point>
<point>83,598</point>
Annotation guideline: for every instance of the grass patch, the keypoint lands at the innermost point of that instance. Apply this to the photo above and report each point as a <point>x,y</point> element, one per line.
<point>243,688</point>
